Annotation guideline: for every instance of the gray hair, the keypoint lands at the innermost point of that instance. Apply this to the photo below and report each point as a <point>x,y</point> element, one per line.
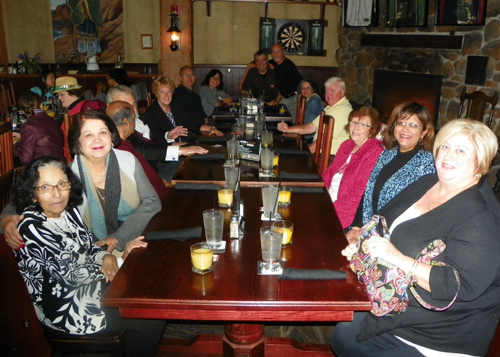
<point>122,113</point>
<point>117,90</point>
<point>333,80</point>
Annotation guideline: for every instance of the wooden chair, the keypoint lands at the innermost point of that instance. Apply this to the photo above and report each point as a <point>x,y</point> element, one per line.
<point>67,124</point>
<point>494,350</point>
<point>301,110</point>
<point>476,107</point>
<point>7,98</point>
<point>6,148</point>
<point>324,141</point>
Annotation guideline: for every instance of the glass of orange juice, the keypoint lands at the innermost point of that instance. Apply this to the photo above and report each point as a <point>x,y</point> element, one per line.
<point>285,196</point>
<point>225,195</point>
<point>202,255</point>
<point>285,227</point>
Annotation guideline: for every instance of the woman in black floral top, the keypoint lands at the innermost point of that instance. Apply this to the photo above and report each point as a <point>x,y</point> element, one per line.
<point>64,271</point>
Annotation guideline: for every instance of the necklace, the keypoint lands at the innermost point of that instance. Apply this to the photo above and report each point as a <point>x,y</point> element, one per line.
<point>101,176</point>
<point>64,230</point>
<point>103,199</point>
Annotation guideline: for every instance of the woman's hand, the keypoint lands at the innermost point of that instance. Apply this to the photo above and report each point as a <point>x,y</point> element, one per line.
<point>109,267</point>
<point>193,150</point>
<point>176,132</point>
<point>110,242</point>
<point>16,137</point>
<point>283,127</point>
<point>10,231</point>
<point>349,251</point>
<point>353,235</point>
<point>380,247</point>
<point>133,244</point>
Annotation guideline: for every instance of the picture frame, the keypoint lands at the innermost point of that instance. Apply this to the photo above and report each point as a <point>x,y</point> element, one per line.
<point>147,41</point>
<point>360,13</point>
<point>460,12</point>
<point>407,13</point>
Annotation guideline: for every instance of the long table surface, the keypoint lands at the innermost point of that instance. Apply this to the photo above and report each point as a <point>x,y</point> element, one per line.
<point>157,282</point>
<point>212,171</point>
<point>223,113</point>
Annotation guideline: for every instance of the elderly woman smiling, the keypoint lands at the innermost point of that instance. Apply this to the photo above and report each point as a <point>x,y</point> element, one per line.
<point>346,178</point>
<point>461,209</point>
<point>65,273</point>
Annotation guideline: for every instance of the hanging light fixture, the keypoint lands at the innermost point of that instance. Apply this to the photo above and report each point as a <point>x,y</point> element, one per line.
<point>174,30</point>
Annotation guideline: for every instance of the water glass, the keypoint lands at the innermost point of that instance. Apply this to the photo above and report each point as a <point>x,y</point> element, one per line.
<point>242,122</point>
<point>286,227</point>
<point>261,117</point>
<point>267,139</point>
<point>257,129</point>
<point>213,221</point>
<point>285,196</point>
<point>231,176</point>
<point>270,243</point>
<point>270,200</point>
<point>266,161</point>
<point>202,255</point>
<point>232,150</point>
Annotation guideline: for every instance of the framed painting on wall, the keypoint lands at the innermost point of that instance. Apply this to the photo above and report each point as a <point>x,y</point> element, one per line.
<point>460,12</point>
<point>360,13</point>
<point>407,13</point>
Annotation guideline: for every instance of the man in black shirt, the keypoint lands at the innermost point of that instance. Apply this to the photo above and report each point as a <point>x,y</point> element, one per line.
<point>287,76</point>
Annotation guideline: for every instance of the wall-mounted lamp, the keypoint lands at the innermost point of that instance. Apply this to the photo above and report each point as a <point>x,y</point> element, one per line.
<point>174,28</point>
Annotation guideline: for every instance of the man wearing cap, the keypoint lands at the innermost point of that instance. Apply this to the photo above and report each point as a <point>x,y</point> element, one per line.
<point>287,76</point>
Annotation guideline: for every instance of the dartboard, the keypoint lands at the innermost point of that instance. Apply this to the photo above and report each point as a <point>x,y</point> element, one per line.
<point>291,36</point>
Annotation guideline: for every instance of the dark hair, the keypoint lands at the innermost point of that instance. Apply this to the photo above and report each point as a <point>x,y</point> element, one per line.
<point>77,92</point>
<point>41,80</point>
<point>76,129</point>
<point>211,74</point>
<point>313,84</point>
<point>260,53</point>
<point>29,101</point>
<point>404,111</point>
<point>120,76</point>
<point>23,193</point>
<point>371,113</point>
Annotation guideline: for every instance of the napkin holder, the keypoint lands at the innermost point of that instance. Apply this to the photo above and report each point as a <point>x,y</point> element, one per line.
<point>250,150</point>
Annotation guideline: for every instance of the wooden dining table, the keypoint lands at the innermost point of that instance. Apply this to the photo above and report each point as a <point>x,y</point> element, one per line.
<point>157,282</point>
<point>224,113</point>
<point>294,159</point>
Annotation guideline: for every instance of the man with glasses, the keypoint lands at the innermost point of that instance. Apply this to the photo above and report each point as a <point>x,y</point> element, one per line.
<point>191,101</point>
<point>338,107</point>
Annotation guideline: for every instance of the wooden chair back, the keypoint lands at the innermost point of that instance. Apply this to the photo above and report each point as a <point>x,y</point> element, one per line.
<point>6,148</point>
<point>21,333</point>
<point>67,124</point>
<point>7,98</point>
<point>301,110</point>
<point>476,106</point>
<point>324,141</point>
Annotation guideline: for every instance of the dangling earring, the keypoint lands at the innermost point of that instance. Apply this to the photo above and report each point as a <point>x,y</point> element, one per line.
<point>478,177</point>
<point>421,141</point>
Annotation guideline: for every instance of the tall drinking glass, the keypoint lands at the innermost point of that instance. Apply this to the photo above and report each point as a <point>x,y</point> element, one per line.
<point>231,176</point>
<point>270,200</point>
<point>270,243</point>
<point>232,150</point>
<point>257,129</point>
<point>267,139</point>
<point>266,161</point>
<point>261,117</point>
<point>213,220</point>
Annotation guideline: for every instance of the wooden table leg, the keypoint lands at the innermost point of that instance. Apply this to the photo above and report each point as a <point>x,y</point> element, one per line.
<point>243,340</point>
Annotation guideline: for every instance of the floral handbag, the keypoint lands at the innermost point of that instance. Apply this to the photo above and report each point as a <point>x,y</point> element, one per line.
<point>387,285</point>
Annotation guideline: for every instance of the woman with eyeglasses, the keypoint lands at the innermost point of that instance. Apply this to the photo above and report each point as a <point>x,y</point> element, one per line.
<point>212,92</point>
<point>346,178</point>
<point>64,271</point>
<point>408,157</point>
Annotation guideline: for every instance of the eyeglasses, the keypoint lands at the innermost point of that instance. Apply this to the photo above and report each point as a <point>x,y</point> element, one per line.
<point>362,125</point>
<point>215,78</point>
<point>404,124</point>
<point>61,186</point>
<point>189,75</point>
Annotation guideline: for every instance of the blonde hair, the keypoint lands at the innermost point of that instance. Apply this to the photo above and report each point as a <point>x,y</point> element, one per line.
<point>483,140</point>
<point>162,82</point>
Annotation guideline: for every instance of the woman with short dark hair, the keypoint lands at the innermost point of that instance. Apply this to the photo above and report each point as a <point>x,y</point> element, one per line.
<point>64,271</point>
